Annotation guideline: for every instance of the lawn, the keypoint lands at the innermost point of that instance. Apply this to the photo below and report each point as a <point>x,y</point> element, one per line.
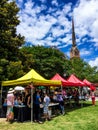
<point>78,118</point>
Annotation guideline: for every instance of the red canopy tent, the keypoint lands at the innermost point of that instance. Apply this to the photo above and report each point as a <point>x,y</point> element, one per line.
<point>75,81</point>
<point>64,82</point>
<point>92,87</point>
<point>87,82</point>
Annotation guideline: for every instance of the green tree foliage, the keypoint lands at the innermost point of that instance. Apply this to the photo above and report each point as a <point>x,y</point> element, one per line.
<point>9,40</point>
<point>27,59</point>
<point>47,61</point>
<point>10,69</point>
<point>95,79</point>
<point>82,69</point>
<point>3,68</point>
<point>15,69</point>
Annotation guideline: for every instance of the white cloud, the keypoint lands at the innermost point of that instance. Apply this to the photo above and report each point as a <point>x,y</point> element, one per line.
<point>84,52</point>
<point>86,18</point>
<point>36,26</point>
<point>43,1</point>
<point>54,2</point>
<point>94,62</point>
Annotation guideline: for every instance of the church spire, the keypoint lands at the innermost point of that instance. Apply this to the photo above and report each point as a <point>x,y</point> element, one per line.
<point>73,34</point>
<point>74,52</point>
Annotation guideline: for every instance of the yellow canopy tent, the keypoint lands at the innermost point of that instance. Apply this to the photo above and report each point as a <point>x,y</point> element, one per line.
<point>32,77</point>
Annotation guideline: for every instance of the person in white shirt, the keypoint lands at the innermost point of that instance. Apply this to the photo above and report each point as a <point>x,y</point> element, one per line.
<point>10,102</point>
<point>46,106</point>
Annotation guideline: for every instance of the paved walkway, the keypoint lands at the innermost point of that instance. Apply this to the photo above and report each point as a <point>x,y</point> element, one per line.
<point>2,119</point>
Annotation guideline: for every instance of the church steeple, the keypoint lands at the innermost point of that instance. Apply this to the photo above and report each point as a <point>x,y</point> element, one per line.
<point>74,50</point>
<point>73,34</point>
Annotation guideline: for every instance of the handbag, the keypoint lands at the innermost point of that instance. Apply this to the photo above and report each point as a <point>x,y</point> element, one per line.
<point>11,115</point>
<point>41,105</point>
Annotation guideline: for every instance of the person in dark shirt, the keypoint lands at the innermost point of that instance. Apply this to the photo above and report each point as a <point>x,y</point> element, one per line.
<point>26,103</point>
<point>36,106</point>
<point>27,94</point>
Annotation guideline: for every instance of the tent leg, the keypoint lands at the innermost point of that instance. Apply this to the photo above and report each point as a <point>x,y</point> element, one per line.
<point>61,88</point>
<point>82,96</point>
<point>31,105</point>
<point>1,103</point>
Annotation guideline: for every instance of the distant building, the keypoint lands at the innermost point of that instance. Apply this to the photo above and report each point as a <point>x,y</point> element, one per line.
<point>74,52</point>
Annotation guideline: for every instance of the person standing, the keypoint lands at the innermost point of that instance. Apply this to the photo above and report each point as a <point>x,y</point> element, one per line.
<point>64,94</point>
<point>93,97</point>
<point>36,107</point>
<point>10,104</point>
<point>76,97</point>
<point>27,95</point>
<point>46,106</point>
<point>5,106</point>
<point>61,102</point>
<point>27,103</point>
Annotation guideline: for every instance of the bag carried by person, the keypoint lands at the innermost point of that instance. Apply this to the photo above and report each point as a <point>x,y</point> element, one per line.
<point>11,115</point>
<point>41,105</point>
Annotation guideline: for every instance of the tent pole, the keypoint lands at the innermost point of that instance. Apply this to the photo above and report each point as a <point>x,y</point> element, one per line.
<point>82,96</point>
<point>61,88</point>
<point>1,101</point>
<point>31,104</point>
<point>1,94</point>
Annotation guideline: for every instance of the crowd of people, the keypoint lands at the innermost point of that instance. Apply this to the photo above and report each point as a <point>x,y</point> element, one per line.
<point>41,99</point>
<point>16,98</point>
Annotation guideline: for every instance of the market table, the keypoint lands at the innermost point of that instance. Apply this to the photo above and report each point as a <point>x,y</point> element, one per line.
<point>53,107</point>
<point>20,113</point>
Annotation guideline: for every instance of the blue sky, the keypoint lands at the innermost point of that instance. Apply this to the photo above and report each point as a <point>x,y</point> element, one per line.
<point>48,23</point>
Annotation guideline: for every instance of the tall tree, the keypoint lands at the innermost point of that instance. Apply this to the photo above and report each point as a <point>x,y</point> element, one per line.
<point>49,61</point>
<point>10,41</point>
<point>46,61</point>
<point>82,69</point>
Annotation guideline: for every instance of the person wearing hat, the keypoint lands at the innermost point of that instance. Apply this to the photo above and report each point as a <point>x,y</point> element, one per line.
<point>10,102</point>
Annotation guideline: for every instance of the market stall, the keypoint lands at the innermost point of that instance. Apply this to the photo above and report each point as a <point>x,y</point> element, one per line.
<point>33,79</point>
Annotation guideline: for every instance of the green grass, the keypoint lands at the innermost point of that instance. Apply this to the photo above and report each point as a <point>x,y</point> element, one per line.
<point>81,118</point>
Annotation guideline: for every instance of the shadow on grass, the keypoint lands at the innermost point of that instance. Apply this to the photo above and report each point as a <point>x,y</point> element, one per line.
<point>73,106</point>
<point>70,107</point>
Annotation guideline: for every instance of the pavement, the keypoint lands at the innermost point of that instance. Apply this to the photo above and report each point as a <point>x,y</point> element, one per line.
<point>2,120</point>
